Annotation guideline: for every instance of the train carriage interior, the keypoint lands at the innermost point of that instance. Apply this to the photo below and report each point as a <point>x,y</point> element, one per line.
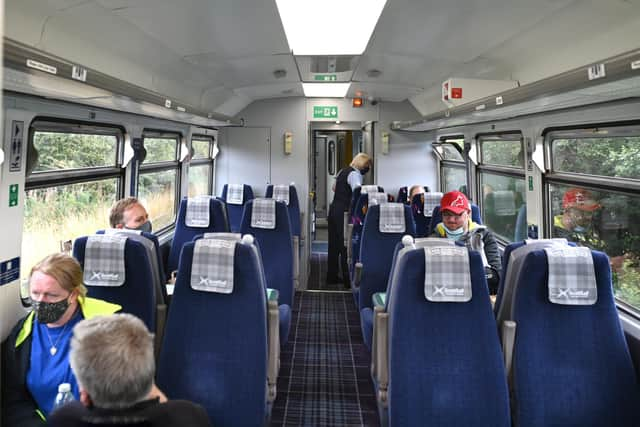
<point>235,122</point>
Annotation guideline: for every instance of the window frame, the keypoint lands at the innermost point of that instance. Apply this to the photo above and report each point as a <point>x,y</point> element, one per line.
<point>450,163</point>
<point>209,160</point>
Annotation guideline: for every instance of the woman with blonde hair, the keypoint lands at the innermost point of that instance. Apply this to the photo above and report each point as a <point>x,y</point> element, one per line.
<point>347,180</point>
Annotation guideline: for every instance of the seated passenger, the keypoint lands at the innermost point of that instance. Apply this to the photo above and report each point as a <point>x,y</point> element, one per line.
<point>415,189</point>
<point>35,355</point>
<point>457,225</point>
<point>129,213</point>
<point>112,357</point>
<point>576,221</point>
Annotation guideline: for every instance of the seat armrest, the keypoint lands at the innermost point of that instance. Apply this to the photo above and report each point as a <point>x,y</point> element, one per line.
<point>296,262</point>
<point>380,353</point>
<point>273,361</point>
<point>345,227</point>
<point>161,319</point>
<point>508,335</point>
<point>302,228</point>
<point>357,275</point>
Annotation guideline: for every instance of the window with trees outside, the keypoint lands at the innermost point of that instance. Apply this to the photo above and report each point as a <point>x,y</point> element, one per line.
<point>501,181</point>
<point>201,166</point>
<point>453,174</point>
<point>593,198</point>
<point>159,178</point>
<point>76,179</point>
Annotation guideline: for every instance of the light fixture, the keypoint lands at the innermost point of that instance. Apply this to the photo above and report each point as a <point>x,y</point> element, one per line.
<point>352,23</point>
<point>325,90</point>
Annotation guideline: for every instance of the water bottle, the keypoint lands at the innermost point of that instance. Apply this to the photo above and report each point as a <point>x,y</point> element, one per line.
<point>64,395</point>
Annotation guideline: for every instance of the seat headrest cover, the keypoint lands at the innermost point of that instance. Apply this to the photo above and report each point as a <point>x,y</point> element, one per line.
<point>104,260</point>
<point>447,275</point>
<point>235,194</point>
<point>197,214</point>
<point>263,213</point>
<point>431,200</point>
<point>392,218</point>
<point>212,266</point>
<point>572,278</point>
<point>423,242</point>
<point>281,193</point>
<point>504,203</point>
<point>376,198</point>
<point>366,189</point>
<point>223,236</point>
<point>112,231</point>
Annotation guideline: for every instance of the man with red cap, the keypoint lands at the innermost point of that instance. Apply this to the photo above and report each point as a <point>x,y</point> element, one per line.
<point>457,225</point>
<point>576,221</point>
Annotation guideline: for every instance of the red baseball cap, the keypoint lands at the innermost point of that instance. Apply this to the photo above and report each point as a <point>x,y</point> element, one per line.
<point>579,199</point>
<point>455,202</point>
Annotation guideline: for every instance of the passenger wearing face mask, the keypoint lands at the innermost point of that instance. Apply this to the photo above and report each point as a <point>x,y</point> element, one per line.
<point>457,225</point>
<point>346,181</point>
<point>35,355</point>
<point>130,214</point>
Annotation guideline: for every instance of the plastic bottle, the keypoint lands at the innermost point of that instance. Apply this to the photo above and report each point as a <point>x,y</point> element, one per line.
<point>64,395</point>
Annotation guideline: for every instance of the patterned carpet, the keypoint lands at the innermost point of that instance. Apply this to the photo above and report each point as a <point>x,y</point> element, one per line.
<point>318,274</point>
<point>324,373</point>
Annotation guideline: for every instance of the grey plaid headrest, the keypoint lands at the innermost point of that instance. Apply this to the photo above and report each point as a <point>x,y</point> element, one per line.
<point>197,212</point>
<point>112,231</point>
<point>447,275</point>
<point>366,189</point>
<point>572,278</point>
<point>212,266</point>
<point>223,236</point>
<point>376,198</point>
<point>431,200</point>
<point>263,214</point>
<point>423,242</point>
<point>504,203</point>
<point>235,194</point>
<point>392,218</point>
<point>281,193</point>
<point>104,260</point>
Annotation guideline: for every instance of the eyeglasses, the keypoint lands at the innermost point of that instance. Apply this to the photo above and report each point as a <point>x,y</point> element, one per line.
<point>449,214</point>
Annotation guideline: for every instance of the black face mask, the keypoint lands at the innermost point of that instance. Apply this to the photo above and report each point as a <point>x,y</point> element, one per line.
<point>50,312</point>
<point>145,226</point>
<point>365,170</point>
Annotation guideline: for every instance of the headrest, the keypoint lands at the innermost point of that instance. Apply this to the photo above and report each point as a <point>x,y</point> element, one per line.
<point>197,212</point>
<point>112,231</point>
<point>263,213</point>
<point>392,218</point>
<point>423,242</point>
<point>281,193</point>
<point>447,275</point>
<point>431,200</point>
<point>212,266</point>
<point>504,203</point>
<point>104,260</point>
<point>223,236</point>
<point>572,278</point>
<point>376,198</point>
<point>235,194</point>
<point>365,189</point>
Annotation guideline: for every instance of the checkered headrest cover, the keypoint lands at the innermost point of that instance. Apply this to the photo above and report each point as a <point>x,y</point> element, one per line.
<point>366,189</point>
<point>431,200</point>
<point>223,236</point>
<point>376,198</point>
<point>197,212</point>
<point>572,278</point>
<point>212,266</point>
<point>392,218</point>
<point>447,274</point>
<point>263,214</point>
<point>112,231</point>
<point>281,193</point>
<point>235,194</point>
<point>423,242</point>
<point>104,260</point>
<point>504,203</point>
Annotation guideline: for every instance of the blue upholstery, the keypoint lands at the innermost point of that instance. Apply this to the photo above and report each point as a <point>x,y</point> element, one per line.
<point>355,196</point>
<point>215,346</point>
<point>276,248</point>
<point>422,222</point>
<point>376,256</point>
<point>445,361</point>
<point>571,364</point>
<point>403,195</point>
<point>293,208</point>
<point>234,212</point>
<point>505,269</point>
<point>137,294</point>
<point>183,234</point>
<point>436,217</point>
<point>357,219</point>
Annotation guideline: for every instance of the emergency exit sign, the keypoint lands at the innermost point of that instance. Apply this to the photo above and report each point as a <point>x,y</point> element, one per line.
<point>325,77</point>
<point>325,112</point>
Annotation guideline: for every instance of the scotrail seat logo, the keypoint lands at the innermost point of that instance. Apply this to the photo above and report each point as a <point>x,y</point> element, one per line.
<point>205,281</point>
<point>445,291</point>
<point>111,277</point>
<point>573,293</point>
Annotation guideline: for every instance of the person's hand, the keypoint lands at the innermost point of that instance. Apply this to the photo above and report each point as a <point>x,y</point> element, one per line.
<point>157,393</point>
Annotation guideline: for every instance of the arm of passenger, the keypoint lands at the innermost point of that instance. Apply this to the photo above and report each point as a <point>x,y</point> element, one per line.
<point>492,251</point>
<point>354,179</point>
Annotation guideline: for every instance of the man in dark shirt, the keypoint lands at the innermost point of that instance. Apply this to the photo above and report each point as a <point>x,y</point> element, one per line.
<point>112,358</point>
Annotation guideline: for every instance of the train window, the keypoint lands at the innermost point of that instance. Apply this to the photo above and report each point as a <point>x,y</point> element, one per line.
<point>78,176</point>
<point>201,166</point>
<point>502,183</point>
<point>159,178</point>
<point>453,175</point>
<point>598,210</point>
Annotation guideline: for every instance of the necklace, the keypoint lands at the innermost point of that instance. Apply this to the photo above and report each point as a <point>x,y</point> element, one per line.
<point>54,349</point>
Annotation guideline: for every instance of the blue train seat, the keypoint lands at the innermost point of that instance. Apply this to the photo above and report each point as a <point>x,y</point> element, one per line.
<point>235,199</point>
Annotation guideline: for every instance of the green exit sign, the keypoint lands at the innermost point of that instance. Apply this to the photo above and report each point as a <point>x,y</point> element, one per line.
<point>325,112</point>
<point>325,77</point>
<point>13,195</point>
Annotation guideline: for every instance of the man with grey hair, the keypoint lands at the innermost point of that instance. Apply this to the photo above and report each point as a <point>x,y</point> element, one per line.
<point>113,361</point>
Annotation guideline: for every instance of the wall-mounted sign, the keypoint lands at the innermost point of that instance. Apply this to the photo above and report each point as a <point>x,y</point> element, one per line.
<point>325,77</point>
<point>15,156</point>
<point>13,195</point>
<point>325,112</point>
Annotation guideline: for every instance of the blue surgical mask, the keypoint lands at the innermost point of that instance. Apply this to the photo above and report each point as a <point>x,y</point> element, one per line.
<point>453,234</point>
<point>365,170</point>
<point>145,227</point>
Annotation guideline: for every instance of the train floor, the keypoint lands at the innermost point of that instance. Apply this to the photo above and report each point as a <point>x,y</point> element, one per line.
<point>325,367</point>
